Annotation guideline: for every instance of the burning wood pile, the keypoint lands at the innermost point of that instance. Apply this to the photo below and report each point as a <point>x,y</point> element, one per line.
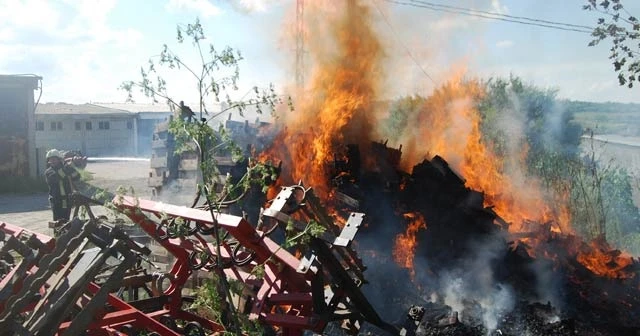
<point>468,241</point>
<point>436,251</point>
<point>460,243</point>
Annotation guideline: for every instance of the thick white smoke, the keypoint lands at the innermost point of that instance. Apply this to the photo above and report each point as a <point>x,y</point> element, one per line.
<point>473,286</point>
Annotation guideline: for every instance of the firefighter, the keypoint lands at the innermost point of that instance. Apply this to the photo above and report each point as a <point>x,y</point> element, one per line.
<point>186,113</point>
<point>60,176</point>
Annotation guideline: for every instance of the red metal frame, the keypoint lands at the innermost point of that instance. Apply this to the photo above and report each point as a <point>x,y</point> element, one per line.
<point>122,312</point>
<point>282,297</point>
<point>16,231</point>
<point>280,286</point>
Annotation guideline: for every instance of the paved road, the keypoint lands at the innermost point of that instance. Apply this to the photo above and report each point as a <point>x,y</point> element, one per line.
<point>619,151</point>
<point>616,139</point>
<point>33,212</point>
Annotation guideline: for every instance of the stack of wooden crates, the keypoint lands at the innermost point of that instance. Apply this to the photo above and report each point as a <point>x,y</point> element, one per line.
<point>171,174</point>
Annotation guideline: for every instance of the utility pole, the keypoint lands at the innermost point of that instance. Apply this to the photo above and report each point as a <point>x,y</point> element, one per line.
<point>300,45</point>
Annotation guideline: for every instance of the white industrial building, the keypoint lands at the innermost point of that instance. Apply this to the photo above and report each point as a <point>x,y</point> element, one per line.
<point>97,130</point>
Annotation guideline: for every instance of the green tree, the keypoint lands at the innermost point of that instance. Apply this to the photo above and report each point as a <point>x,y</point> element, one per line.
<point>399,113</point>
<point>622,213</point>
<point>600,197</point>
<point>215,77</point>
<point>623,29</point>
<point>544,123</point>
<point>602,200</point>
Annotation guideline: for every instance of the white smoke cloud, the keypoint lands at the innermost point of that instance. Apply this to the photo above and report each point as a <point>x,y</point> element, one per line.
<point>473,286</point>
<point>461,294</point>
<point>454,295</point>
<point>495,304</point>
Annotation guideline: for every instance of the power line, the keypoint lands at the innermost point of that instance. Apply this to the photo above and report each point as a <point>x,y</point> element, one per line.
<point>493,16</point>
<point>501,15</point>
<point>384,17</point>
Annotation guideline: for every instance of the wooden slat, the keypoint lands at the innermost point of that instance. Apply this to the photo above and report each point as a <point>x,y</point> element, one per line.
<point>158,162</point>
<point>188,164</point>
<point>161,143</point>
<point>155,181</point>
<point>224,161</point>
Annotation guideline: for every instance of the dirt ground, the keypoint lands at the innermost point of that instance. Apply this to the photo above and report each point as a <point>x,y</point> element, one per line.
<point>33,212</point>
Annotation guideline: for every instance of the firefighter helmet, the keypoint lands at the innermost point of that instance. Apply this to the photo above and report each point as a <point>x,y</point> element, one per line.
<point>54,153</point>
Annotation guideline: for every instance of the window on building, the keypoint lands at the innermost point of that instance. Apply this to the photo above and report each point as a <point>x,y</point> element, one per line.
<point>103,125</point>
<point>39,125</point>
<point>56,125</point>
<point>129,125</point>
<point>87,125</point>
<point>78,125</point>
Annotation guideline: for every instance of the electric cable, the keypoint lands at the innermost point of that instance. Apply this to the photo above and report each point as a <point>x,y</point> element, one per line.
<point>492,16</point>
<point>384,17</point>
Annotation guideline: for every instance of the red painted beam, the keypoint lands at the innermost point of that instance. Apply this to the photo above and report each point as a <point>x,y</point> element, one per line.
<point>290,298</point>
<point>17,231</point>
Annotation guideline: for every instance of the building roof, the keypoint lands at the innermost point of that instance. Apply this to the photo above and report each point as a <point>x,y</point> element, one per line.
<point>27,80</point>
<point>64,108</point>
<point>144,111</point>
<point>136,108</point>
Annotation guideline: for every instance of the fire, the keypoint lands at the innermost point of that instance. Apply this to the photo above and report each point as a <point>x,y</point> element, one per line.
<point>449,125</point>
<point>338,106</point>
<point>600,260</point>
<point>346,54</point>
<point>405,244</point>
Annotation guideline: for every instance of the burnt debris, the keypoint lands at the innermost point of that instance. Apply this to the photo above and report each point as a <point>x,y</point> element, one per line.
<point>509,284</point>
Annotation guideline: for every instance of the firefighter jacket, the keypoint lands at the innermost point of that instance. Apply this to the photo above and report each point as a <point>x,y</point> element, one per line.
<point>60,181</point>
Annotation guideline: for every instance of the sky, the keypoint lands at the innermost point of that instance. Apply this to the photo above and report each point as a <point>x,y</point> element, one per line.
<point>84,49</point>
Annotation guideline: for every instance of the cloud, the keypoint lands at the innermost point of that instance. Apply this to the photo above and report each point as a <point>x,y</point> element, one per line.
<point>36,24</point>
<point>599,86</point>
<point>596,80</point>
<point>28,13</point>
<point>504,44</point>
<point>254,5</point>
<point>450,23</point>
<point>455,21</point>
<point>70,43</point>
<point>499,8</point>
<point>249,6</point>
<point>202,7</point>
<point>6,34</point>
<point>49,23</point>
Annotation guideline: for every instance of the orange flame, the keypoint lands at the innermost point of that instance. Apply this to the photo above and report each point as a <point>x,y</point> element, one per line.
<point>338,105</point>
<point>345,81</point>
<point>449,125</point>
<point>600,260</point>
<point>405,245</point>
